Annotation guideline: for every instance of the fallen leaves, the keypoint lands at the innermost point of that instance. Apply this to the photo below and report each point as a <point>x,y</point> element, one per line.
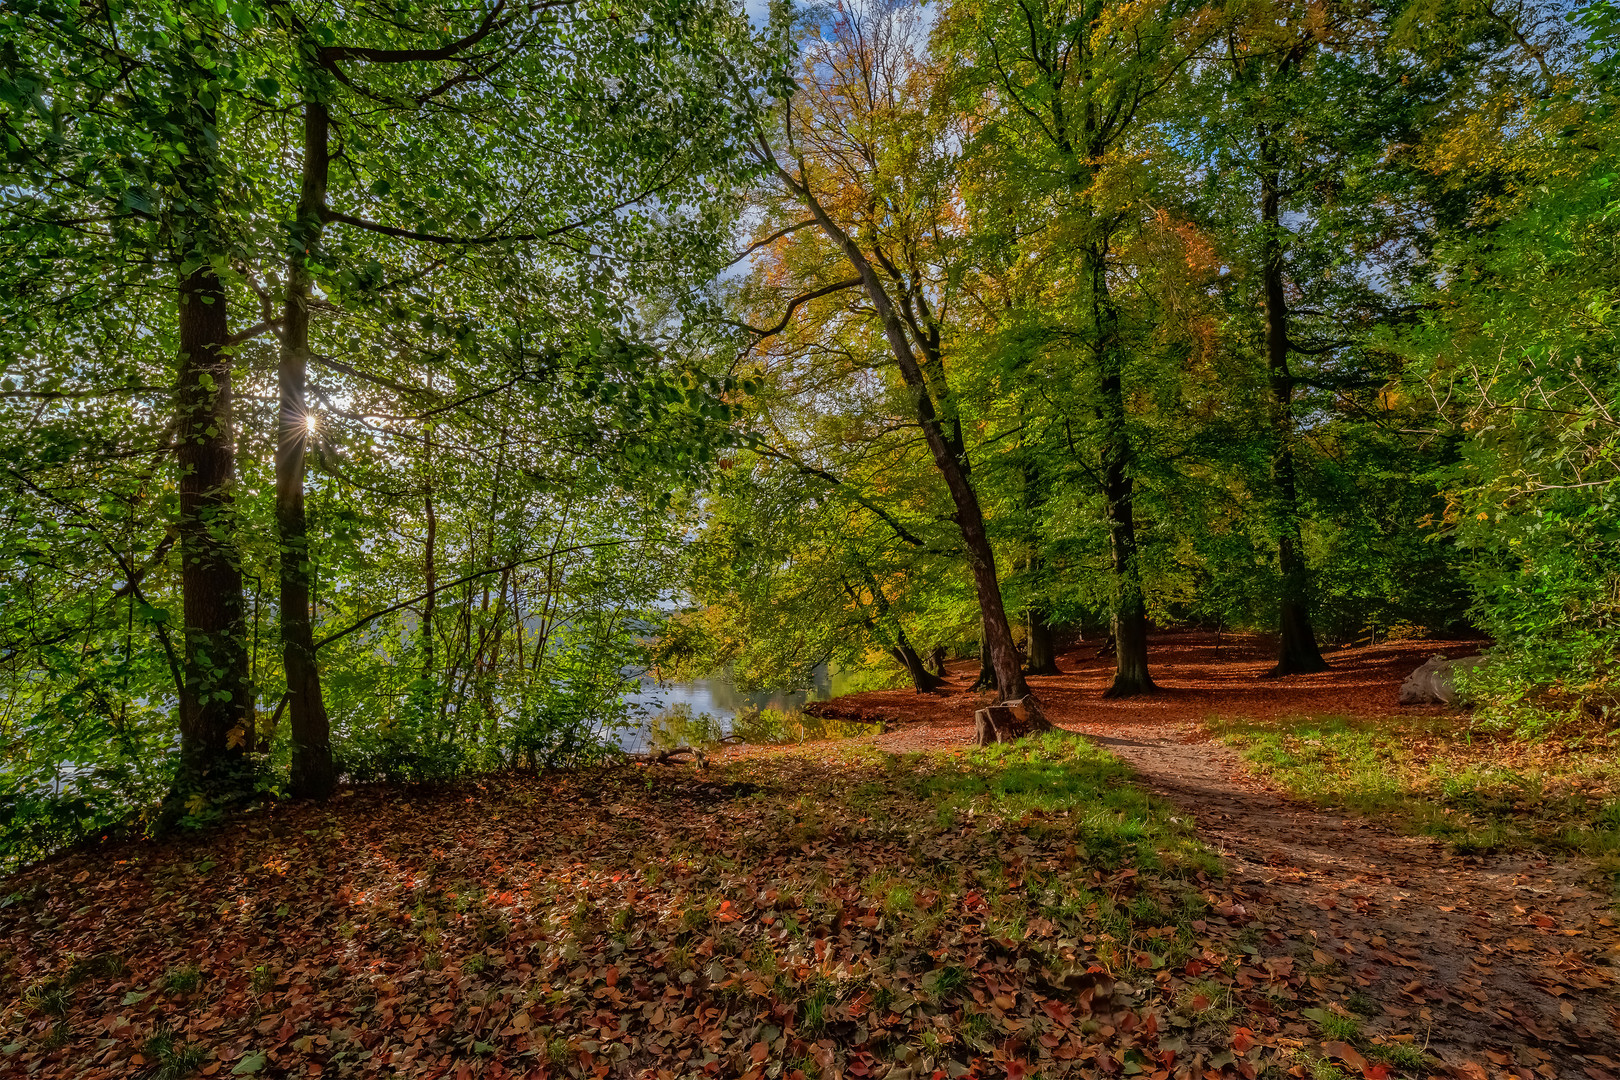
<point>824,912</point>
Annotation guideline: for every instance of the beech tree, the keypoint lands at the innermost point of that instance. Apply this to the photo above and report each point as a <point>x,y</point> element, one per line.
<point>865,150</point>
<point>1062,88</point>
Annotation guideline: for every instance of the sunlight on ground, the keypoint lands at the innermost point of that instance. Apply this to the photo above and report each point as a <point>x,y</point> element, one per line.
<point>1479,793</point>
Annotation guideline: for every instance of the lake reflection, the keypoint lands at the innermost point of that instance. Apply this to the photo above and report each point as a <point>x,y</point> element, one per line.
<point>721,700</point>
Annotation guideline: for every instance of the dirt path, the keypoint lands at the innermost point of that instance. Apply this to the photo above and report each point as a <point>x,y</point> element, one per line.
<point>1501,962</point>
<point>1500,965</point>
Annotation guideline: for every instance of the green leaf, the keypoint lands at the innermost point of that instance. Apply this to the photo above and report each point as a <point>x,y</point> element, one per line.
<point>249,1064</point>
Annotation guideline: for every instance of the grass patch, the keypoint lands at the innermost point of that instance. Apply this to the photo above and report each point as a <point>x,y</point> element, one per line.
<point>1080,789</point>
<point>1479,793</point>
<point>183,979</point>
<point>170,1058</point>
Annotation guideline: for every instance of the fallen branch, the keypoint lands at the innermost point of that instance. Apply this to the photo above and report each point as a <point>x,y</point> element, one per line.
<point>668,756</point>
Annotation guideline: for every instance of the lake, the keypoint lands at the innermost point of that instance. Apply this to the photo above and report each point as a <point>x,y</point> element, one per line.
<point>721,700</point>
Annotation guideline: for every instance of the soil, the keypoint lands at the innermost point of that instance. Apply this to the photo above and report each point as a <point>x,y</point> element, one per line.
<point>1501,965</point>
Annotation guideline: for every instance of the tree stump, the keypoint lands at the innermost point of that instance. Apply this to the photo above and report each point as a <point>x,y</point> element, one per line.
<point>1009,721</point>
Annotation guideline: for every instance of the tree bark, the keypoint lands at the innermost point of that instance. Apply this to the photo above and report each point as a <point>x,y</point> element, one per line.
<point>1297,651</point>
<point>430,570</point>
<point>936,660</point>
<point>216,699</point>
<point>950,457</point>
<point>922,680</point>
<point>987,670</point>
<point>1040,653</point>
<point>1130,601</point>
<point>312,774</point>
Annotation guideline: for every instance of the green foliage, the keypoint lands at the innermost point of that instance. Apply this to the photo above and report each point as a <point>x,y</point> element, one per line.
<point>677,726</point>
<point>511,377</point>
<point>770,727</point>
<point>1520,369</point>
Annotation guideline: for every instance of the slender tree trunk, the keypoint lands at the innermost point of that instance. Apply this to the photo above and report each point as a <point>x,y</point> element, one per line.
<point>1297,651</point>
<point>313,774</point>
<point>1130,600</point>
<point>936,660</point>
<point>987,670</point>
<point>948,454</point>
<point>922,680</point>
<point>216,699</point>
<point>1040,655</point>
<point>888,629</point>
<point>430,570</point>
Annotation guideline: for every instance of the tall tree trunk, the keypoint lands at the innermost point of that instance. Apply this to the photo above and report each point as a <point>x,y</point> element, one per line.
<point>312,775</point>
<point>1040,653</point>
<point>1130,599</point>
<point>1297,651</point>
<point>950,458</point>
<point>430,570</point>
<point>216,695</point>
<point>922,680</point>
<point>216,699</point>
<point>936,660</point>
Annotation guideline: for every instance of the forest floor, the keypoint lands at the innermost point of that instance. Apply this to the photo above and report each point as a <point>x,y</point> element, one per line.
<point>900,906</point>
<point>1469,891</point>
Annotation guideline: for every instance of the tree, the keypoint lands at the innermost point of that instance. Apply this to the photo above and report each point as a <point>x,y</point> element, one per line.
<point>1516,363</point>
<point>570,245</point>
<point>125,171</point>
<point>869,159</point>
<point>1062,88</point>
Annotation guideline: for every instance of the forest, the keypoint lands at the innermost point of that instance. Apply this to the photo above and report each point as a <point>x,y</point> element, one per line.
<point>392,386</point>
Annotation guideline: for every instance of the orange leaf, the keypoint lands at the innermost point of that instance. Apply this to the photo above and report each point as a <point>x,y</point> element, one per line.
<point>1347,1054</point>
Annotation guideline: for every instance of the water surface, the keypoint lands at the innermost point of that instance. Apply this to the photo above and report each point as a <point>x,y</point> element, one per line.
<point>721,700</point>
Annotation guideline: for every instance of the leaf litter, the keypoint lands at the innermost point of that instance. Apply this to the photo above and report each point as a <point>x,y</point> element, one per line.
<point>826,911</point>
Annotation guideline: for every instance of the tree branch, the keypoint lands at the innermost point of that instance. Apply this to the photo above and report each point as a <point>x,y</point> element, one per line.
<point>793,305</point>
<point>503,568</point>
<point>777,235</point>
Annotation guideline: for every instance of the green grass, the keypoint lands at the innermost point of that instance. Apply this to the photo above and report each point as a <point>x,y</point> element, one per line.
<point>171,1059</point>
<point>1478,796</point>
<point>1057,776</point>
<point>183,979</point>
<point>50,998</point>
<point>1402,1056</point>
